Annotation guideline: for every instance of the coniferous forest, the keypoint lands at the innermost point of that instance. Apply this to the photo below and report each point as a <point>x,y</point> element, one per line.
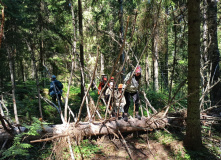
<point>110,79</point>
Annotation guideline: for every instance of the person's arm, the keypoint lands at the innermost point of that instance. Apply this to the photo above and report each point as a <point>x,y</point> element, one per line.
<point>140,82</point>
<point>99,88</point>
<point>51,87</point>
<point>126,79</point>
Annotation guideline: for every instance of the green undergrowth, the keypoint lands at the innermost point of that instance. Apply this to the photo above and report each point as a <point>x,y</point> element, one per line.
<point>87,149</point>
<point>173,143</point>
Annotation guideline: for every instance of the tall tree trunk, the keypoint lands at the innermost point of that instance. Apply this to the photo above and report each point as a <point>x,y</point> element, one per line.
<point>155,53</point>
<point>213,52</point>
<point>30,48</point>
<point>10,57</point>
<point>72,60</point>
<point>80,15</point>
<point>193,139</point>
<point>22,70</point>
<point>165,70</point>
<point>174,57</point>
<point>2,26</point>
<point>155,63</point>
<point>102,64</point>
<point>204,56</point>
<point>41,42</point>
<point>121,21</point>
<point>147,75</point>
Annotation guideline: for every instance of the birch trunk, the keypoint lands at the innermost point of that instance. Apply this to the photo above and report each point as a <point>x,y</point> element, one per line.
<point>72,61</point>
<point>10,56</point>
<point>102,64</point>
<point>121,21</point>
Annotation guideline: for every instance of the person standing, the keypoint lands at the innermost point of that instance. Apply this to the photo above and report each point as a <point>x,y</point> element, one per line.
<point>132,90</point>
<point>119,100</point>
<point>55,88</point>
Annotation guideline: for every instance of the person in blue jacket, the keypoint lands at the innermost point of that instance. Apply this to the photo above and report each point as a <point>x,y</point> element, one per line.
<point>55,88</point>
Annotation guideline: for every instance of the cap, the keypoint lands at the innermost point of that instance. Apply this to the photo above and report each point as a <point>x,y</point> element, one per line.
<point>120,86</point>
<point>112,78</point>
<point>105,79</point>
<point>138,69</point>
<point>53,77</point>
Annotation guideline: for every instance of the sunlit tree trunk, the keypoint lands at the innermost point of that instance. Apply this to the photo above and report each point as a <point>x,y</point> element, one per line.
<point>204,55</point>
<point>155,52</point>
<point>10,57</point>
<point>174,57</point>
<point>155,58</point>
<point>72,62</point>
<point>193,139</point>
<point>147,75</point>
<point>121,32</point>
<point>213,52</point>
<point>102,64</point>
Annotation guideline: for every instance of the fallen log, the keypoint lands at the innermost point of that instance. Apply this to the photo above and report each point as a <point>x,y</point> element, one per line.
<point>86,129</point>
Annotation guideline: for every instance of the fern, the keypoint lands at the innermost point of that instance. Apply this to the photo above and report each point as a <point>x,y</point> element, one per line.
<point>19,148</point>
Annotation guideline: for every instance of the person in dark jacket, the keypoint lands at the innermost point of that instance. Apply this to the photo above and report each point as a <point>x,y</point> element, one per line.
<point>55,88</point>
<point>132,90</point>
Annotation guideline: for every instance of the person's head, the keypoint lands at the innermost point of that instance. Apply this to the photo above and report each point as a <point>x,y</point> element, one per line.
<point>112,78</point>
<point>111,84</point>
<point>120,87</point>
<point>105,79</point>
<point>138,71</point>
<point>53,77</point>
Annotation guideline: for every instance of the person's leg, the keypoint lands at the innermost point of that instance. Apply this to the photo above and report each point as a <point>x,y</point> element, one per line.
<point>53,96</point>
<point>59,98</point>
<point>127,105</point>
<point>136,100</point>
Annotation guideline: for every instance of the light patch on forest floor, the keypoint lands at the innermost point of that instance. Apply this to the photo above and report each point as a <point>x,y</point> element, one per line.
<point>114,149</point>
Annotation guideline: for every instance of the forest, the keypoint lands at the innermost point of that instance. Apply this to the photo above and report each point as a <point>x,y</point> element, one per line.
<point>110,79</point>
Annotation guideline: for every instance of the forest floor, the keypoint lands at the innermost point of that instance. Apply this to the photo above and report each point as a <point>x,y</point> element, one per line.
<point>154,145</point>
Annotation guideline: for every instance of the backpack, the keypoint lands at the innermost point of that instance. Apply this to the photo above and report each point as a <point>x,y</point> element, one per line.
<point>59,85</point>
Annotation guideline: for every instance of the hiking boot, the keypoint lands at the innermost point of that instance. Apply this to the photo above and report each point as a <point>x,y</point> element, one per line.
<point>138,116</point>
<point>113,114</point>
<point>125,118</point>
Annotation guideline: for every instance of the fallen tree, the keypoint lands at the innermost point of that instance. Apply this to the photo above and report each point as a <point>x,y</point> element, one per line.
<point>82,129</point>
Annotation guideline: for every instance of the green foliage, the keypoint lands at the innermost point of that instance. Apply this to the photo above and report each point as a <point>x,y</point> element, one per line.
<point>157,99</point>
<point>17,149</point>
<point>20,148</point>
<point>87,149</point>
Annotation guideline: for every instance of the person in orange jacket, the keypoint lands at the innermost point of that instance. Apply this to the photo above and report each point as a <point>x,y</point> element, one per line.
<point>101,85</point>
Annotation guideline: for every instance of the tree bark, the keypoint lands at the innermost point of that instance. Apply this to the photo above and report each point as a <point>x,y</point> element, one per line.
<point>121,21</point>
<point>89,129</point>
<point>193,139</point>
<point>80,15</point>
<point>213,52</point>
<point>166,56</point>
<point>102,64</point>
<point>10,57</point>
<point>147,74</point>
<point>72,61</point>
<point>155,47</point>
<point>30,48</point>
<point>2,26</point>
